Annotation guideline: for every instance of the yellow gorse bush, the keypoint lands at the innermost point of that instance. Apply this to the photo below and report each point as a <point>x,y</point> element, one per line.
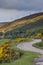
<point>18,40</point>
<point>38,35</point>
<point>6,51</point>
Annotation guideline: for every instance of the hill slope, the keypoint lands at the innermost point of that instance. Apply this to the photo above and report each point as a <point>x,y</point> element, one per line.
<point>22,21</point>
<point>24,27</point>
<point>3,23</point>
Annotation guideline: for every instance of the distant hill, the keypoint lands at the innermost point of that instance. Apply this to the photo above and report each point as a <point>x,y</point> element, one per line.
<point>24,27</point>
<point>3,23</point>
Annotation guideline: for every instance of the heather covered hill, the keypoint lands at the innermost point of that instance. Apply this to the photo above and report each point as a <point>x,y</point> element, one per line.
<point>21,22</point>
<point>24,27</point>
<point>26,30</point>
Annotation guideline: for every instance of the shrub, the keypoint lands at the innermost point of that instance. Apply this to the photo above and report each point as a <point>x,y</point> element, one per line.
<point>18,40</point>
<point>7,52</point>
<point>38,35</point>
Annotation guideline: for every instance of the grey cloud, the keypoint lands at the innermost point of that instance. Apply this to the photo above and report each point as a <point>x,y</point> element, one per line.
<point>22,4</point>
<point>9,14</point>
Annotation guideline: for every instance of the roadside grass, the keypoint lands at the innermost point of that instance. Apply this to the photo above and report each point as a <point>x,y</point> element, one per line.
<point>38,45</point>
<point>3,40</point>
<point>27,58</point>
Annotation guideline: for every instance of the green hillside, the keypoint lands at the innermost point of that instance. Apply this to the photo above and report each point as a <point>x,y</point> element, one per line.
<point>26,30</point>
<point>24,27</point>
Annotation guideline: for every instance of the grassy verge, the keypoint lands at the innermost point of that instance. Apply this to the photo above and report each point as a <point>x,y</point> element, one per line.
<point>38,45</point>
<point>27,58</point>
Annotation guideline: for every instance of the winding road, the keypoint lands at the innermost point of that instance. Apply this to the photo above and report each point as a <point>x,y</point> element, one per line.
<point>27,46</point>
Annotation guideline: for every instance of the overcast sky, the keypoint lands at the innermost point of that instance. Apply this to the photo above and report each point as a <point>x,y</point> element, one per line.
<point>13,9</point>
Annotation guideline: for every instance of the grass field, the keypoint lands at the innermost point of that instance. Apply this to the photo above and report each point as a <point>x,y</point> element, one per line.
<point>28,58</point>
